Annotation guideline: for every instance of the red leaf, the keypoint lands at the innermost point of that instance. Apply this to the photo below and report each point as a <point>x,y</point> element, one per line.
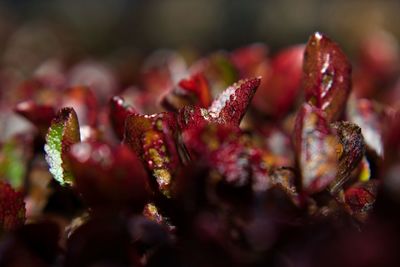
<point>219,146</point>
<point>200,140</point>
<point>198,85</point>
<point>192,116</point>
<point>229,107</point>
<point>231,160</point>
<point>391,138</point>
<point>12,207</point>
<point>119,111</point>
<point>154,139</point>
<point>229,154</point>
<point>39,115</point>
<point>327,76</point>
<point>108,176</point>
<point>247,59</point>
<point>378,64</point>
<point>281,84</point>
<point>192,91</point>
<point>361,197</point>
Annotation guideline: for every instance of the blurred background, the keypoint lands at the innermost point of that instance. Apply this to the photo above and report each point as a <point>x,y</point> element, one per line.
<point>122,33</point>
<point>102,27</point>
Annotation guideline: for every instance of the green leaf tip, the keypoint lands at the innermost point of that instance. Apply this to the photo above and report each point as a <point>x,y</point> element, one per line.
<point>62,134</point>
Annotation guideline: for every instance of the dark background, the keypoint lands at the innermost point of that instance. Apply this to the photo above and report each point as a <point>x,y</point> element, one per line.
<point>100,28</point>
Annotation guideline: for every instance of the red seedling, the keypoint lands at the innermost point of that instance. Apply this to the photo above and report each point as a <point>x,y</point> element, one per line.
<point>327,76</point>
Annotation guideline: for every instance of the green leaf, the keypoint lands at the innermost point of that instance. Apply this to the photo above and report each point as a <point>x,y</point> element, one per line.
<point>13,162</point>
<point>225,67</point>
<point>62,134</point>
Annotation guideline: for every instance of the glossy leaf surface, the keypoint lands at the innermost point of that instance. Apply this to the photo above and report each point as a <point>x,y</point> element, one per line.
<point>327,76</point>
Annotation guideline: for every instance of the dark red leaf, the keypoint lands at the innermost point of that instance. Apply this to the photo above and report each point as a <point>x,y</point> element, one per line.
<point>108,176</point>
<point>203,139</point>
<point>220,147</point>
<point>229,107</point>
<point>119,111</point>
<point>12,207</point>
<point>192,116</point>
<point>327,76</point>
<point>378,64</point>
<point>191,91</point>
<point>231,161</point>
<point>360,198</point>
<point>154,139</point>
<point>198,85</point>
<point>391,137</point>
<point>104,240</point>
<point>278,92</point>
<point>229,155</point>
<point>247,59</point>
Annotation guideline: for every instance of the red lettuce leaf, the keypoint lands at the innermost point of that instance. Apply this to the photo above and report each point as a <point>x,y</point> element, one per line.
<point>278,92</point>
<point>327,76</point>
<point>228,108</point>
<point>154,138</point>
<point>194,90</point>
<point>118,113</point>
<point>108,176</point>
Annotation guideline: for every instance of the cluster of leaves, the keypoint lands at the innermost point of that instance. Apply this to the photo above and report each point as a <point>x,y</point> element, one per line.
<point>190,170</point>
